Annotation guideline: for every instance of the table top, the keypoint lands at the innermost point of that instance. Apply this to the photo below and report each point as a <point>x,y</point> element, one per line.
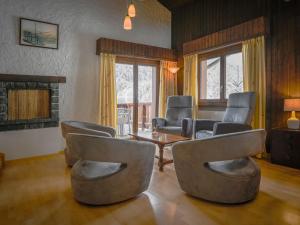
<point>158,137</point>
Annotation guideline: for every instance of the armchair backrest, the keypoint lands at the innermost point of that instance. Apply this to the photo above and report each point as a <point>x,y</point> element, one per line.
<point>178,108</point>
<point>240,108</point>
<point>86,128</point>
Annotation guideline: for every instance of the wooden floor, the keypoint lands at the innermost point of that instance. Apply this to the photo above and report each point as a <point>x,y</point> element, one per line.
<point>37,191</point>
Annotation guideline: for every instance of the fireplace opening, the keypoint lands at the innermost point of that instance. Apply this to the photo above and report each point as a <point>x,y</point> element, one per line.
<point>28,104</point>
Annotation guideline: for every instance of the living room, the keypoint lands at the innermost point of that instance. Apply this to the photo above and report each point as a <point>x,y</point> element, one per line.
<point>149,112</point>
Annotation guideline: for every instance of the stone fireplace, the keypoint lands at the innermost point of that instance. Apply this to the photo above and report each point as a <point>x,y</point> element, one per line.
<point>28,102</point>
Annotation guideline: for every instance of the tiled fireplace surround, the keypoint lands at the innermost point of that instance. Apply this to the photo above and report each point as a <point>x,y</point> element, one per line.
<point>51,83</point>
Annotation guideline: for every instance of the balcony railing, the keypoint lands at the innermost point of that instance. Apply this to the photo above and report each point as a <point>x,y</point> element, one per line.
<point>125,116</point>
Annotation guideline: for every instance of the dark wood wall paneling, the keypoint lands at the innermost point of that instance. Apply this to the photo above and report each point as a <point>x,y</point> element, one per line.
<point>230,36</point>
<point>284,53</point>
<point>204,17</point>
<point>129,49</point>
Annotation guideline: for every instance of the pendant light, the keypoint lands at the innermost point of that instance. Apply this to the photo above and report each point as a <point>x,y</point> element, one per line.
<point>131,9</point>
<point>127,23</point>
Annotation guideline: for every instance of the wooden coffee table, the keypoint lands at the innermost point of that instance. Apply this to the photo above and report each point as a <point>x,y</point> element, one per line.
<point>161,139</point>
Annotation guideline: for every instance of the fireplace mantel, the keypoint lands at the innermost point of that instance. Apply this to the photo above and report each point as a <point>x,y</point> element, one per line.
<point>32,78</point>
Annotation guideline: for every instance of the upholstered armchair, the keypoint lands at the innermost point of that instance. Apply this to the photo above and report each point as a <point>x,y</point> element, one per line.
<point>178,108</point>
<point>238,117</point>
<point>82,128</point>
<point>109,170</point>
<point>220,168</point>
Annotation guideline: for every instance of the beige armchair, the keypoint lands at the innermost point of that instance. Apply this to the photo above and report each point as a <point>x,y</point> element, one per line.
<point>109,170</point>
<point>220,168</point>
<point>82,128</point>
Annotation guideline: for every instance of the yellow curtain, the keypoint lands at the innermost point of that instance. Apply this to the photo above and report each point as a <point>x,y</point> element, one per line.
<point>167,85</point>
<point>107,91</point>
<point>255,76</point>
<point>190,80</point>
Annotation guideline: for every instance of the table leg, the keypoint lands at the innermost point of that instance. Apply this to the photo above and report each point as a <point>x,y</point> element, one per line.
<point>161,158</point>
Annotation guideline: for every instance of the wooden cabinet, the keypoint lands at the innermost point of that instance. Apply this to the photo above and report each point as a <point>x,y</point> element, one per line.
<point>2,161</point>
<point>285,147</point>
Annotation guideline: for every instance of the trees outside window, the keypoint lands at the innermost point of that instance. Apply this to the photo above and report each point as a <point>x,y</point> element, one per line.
<point>220,74</point>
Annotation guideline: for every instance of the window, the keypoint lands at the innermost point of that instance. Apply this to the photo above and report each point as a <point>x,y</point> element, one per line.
<point>234,73</point>
<point>220,74</point>
<point>210,78</point>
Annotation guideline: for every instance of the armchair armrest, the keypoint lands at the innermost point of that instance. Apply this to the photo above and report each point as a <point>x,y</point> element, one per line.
<point>204,125</point>
<point>158,122</point>
<point>225,128</point>
<point>187,127</point>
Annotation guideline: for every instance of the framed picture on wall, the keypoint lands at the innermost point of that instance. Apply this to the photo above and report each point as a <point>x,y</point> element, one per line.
<point>38,33</point>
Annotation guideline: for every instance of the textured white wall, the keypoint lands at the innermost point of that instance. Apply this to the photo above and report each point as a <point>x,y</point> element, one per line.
<point>81,22</point>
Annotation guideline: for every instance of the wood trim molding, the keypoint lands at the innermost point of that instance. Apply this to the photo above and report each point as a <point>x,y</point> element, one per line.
<point>129,49</point>
<point>32,78</point>
<point>250,29</point>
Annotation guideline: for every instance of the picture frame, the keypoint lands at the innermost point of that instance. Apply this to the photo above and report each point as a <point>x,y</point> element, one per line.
<point>36,33</point>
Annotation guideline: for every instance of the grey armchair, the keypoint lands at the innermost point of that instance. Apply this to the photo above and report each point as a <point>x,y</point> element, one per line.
<point>220,168</point>
<point>82,128</point>
<point>109,170</point>
<point>237,118</point>
<point>178,108</point>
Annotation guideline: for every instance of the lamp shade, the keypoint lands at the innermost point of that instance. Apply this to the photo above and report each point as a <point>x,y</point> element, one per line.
<point>292,104</point>
<point>131,10</point>
<point>127,23</point>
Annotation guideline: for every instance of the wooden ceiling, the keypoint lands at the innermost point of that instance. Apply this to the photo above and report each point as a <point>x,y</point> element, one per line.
<point>174,4</point>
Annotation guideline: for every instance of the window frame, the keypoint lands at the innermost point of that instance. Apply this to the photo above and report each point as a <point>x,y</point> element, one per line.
<point>222,53</point>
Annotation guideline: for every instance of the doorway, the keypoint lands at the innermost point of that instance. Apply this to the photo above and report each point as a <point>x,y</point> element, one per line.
<point>137,94</point>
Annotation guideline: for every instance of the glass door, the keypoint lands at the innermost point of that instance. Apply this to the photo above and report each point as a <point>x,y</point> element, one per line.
<point>136,84</point>
<point>146,96</point>
<point>125,103</point>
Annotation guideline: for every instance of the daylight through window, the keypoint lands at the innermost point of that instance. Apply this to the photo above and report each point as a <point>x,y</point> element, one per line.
<point>220,74</point>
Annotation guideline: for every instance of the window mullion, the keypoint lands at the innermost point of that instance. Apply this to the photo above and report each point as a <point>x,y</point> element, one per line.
<point>223,77</point>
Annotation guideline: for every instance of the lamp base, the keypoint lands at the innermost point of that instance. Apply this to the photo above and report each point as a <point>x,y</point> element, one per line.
<point>293,123</point>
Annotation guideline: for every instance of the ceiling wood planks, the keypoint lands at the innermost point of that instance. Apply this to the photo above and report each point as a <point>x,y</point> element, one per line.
<point>173,4</point>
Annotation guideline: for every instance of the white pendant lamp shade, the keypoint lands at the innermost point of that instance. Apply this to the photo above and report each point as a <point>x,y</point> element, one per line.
<point>131,10</point>
<point>127,23</point>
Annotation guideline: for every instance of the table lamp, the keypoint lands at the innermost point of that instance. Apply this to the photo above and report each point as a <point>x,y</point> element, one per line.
<point>292,105</point>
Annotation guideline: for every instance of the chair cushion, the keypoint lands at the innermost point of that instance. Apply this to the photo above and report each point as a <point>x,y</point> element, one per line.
<point>170,130</point>
<point>91,170</point>
<point>242,100</point>
<point>202,134</point>
<point>238,115</point>
<point>245,167</point>
<point>240,108</point>
<point>174,116</point>
<point>179,101</point>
